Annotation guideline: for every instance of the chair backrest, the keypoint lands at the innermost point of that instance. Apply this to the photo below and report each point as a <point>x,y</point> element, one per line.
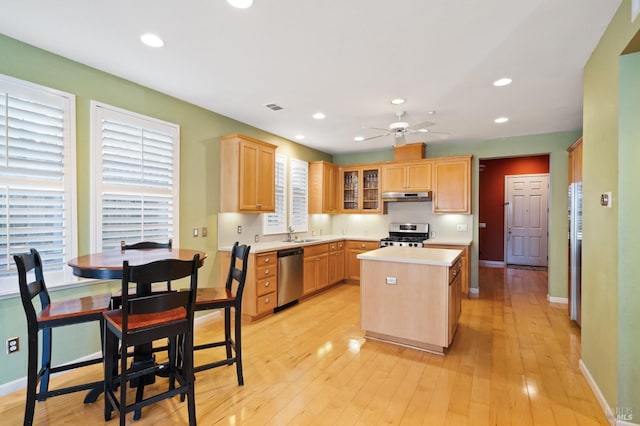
<point>238,275</point>
<point>145,245</point>
<point>159,271</point>
<point>26,263</point>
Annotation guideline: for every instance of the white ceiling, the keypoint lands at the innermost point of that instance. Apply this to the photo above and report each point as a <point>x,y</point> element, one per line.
<point>346,58</point>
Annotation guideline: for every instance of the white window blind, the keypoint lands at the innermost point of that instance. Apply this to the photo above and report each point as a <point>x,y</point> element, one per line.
<point>276,223</point>
<point>37,179</point>
<point>298,189</point>
<point>135,178</point>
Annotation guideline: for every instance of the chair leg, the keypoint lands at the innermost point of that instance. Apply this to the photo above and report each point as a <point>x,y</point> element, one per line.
<point>238,338</point>
<point>46,363</point>
<point>227,331</point>
<point>32,379</point>
<point>187,371</point>
<point>109,361</point>
<point>123,384</point>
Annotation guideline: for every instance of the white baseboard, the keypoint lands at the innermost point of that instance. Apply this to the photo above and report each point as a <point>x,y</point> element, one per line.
<point>553,299</point>
<point>608,412</point>
<point>491,263</point>
<point>21,383</point>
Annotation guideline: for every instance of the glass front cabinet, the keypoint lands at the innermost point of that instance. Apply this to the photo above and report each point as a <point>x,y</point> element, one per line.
<point>360,189</point>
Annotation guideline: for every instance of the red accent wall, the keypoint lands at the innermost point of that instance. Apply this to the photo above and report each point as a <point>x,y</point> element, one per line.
<point>491,199</point>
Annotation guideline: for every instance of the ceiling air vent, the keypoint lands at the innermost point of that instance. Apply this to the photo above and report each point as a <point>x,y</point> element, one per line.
<point>273,107</point>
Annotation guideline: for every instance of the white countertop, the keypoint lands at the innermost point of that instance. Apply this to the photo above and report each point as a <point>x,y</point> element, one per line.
<point>448,241</point>
<point>265,246</point>
<point>425,256</point>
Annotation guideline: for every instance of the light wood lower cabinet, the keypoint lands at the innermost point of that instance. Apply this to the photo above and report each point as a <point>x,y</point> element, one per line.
<point>260,289</point>
<point>466,263</point>
<point>336,262</point>
<point>316,267</point>
<point>352,249</point>
<point>455,298</point>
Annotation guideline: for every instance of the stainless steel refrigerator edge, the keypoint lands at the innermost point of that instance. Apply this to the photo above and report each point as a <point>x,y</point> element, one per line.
<point>575,251</point>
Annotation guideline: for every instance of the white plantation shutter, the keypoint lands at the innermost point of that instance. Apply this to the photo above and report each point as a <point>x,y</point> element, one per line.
<point>37,179</point>
<point>135,172</point>
<point>276,223</point>
<point>298,188</point>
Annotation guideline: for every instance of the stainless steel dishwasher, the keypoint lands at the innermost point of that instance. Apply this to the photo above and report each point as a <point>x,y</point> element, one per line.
<point>290,285</point>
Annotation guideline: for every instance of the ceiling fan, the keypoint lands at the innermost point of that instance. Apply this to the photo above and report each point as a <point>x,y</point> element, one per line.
<point>400,128</point>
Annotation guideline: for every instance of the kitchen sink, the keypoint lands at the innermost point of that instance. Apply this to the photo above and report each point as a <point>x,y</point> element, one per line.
<point>307,240</point>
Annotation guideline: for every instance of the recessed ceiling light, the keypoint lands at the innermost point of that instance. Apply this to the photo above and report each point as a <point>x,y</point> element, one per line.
<point>501,120</point>
<point>502,82</point>
<point>398,101</point>
<point>318,116</point>
<point>358,138</point>
<point>299,137</point>
<point>151,40</point>
<point>241,4</point>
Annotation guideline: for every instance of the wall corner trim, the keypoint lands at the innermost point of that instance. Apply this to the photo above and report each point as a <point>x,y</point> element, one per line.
<point>598,394</point>
<point>553,299</point>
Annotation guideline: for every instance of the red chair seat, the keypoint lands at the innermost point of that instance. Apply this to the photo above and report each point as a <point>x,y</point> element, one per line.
<point>140,321</point>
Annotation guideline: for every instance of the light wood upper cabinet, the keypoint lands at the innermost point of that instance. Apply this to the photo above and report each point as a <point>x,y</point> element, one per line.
<point>323,185</point>
<point>360,191</point>
<point>410,176</point>
<point>452,185</point>
<point>247,174</point>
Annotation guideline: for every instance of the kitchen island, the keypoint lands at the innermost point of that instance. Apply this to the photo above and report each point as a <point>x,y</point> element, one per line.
<point>411,297</point>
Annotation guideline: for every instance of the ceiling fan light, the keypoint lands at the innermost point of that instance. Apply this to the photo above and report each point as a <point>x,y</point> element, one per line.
<point>501,120</point>
<point>358,138</point>
<point>241,4</point>
<point>398,101</point>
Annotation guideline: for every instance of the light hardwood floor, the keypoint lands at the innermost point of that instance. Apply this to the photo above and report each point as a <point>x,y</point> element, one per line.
<point>514,360</point>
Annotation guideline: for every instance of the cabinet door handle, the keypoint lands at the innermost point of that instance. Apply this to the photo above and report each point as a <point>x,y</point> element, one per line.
<point>267,301</point>
<point>266,272</point>
<point>267,283</point>
<point>266,260</point>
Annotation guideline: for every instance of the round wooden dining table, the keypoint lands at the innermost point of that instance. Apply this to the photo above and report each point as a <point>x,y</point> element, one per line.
<point>108,265</point>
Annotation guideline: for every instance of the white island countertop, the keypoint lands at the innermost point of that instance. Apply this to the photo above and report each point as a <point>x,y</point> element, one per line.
<point>425,256</point>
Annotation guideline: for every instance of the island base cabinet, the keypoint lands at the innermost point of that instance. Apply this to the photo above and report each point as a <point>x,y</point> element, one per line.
<point>405,303</point>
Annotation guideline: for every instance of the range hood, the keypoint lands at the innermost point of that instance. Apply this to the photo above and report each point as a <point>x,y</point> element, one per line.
<point>406,196</point>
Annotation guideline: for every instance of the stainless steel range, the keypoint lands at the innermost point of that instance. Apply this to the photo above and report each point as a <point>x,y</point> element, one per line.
<point>406,235</point>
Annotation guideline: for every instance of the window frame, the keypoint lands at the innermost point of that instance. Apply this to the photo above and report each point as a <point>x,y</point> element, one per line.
<point>98,111</point>
<point>64,275</point>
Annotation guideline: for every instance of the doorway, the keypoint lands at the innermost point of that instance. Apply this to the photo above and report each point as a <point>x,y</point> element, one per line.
<point>526,223</point>
<point>491,194</point>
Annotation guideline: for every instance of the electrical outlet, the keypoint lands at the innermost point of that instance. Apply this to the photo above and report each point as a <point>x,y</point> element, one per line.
<point>13,345</point>
<point>195,232</point>
<point>239,229</point>
<point>204,231</point>
<point>256,238</point>
<point>461,227</point>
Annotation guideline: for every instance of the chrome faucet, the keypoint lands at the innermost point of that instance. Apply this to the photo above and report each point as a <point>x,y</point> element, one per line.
<point>289,234</point>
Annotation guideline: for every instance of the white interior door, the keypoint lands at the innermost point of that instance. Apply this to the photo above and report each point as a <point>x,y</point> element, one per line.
<point>526,199</point>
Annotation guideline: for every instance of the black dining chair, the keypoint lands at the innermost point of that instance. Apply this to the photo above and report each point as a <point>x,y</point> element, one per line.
<point>227,298</point>
<point>139,322</point>
<point>142,245</point>
<point>49,315</point>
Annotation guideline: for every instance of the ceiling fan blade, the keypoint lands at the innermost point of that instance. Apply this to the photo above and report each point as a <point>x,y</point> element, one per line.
<point>377,128</point>
<point>424,123</point>
<point>373,137</point>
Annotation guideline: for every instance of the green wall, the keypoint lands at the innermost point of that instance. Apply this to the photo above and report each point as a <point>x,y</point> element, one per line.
<point>199,178</point>
<point>610,347</point>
